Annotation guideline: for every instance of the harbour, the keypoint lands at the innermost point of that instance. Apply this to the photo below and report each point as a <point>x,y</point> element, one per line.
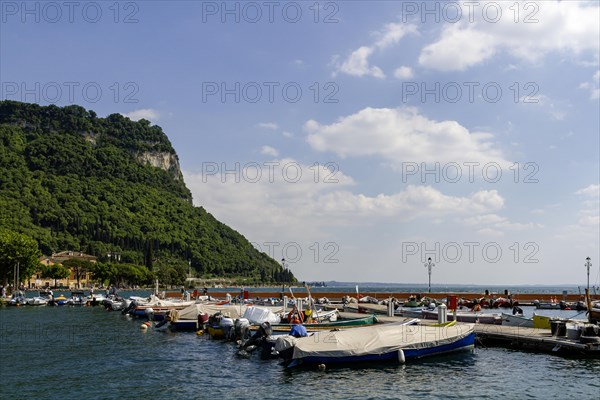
<point>109,353</point>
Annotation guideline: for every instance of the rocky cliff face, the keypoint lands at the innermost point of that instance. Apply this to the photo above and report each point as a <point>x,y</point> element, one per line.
<point>163,160</point>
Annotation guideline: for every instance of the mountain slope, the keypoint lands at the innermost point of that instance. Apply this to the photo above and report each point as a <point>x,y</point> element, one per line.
<point>75,181</point>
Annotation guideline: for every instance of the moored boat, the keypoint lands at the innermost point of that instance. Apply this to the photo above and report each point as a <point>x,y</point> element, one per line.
<point>339,324</point>
<point>379,343</point>
<point>466,316</point>
<point>516,320</point>
<point>550,305</point>
<point>37,301</point>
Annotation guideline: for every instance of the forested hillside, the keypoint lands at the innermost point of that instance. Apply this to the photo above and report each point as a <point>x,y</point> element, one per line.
<point>74,181</point>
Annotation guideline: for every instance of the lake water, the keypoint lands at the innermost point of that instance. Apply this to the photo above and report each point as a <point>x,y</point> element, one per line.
<point>88,353</point>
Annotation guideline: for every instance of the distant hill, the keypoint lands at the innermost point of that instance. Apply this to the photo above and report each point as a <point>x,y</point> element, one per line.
<point>74,181</point>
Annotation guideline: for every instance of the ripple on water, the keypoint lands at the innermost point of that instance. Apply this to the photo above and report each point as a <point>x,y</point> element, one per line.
<point>68,353</point>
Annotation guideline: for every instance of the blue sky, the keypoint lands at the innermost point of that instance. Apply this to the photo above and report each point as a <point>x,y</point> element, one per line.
<point>334,112</point>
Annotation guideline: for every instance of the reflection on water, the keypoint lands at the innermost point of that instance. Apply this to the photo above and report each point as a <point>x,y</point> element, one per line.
<point>70,353</point>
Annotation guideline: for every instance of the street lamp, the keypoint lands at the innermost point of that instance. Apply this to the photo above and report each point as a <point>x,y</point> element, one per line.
<point>429,265</point>
<point>588,264</point>
<point>284,265</point>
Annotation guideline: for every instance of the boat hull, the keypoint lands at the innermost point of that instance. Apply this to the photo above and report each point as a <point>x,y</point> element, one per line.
<point>184,325</point>
<point>216,332</point>
<point>464,344</point>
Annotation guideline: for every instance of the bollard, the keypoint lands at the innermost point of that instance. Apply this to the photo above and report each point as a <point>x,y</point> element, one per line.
<point>442,313</point>
<point>285,301</point>
<point>390,309</point>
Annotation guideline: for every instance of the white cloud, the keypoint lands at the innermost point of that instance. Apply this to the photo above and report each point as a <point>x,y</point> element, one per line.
<point>403,72</point>
<point>494,224</point>
<point>562,26</point>
<point>593,86</point>
<point>279,206</point>
<point>357,63</point>
<point>144,113</point>
<point>413,202</point>
<point>268,125</point>
<point>402,135</point>
<point>392,33</point>
<point>458,49</point>
<point>591,190</point>
<point>484,219</point>
<point>269,151</point>
<point>589,214</point>
<point>287,134</point>
<point>555,108</point>
<point>490,232</point>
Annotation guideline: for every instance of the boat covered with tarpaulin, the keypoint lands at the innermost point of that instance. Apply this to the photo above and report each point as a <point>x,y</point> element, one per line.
<point>378,343</point>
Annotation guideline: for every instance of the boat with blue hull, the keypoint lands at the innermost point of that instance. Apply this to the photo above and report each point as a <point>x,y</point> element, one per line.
<point>385,343</point>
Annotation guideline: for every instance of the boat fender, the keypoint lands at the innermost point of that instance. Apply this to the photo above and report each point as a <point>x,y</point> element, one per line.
<point>144,326</point>
<point>401,358</point>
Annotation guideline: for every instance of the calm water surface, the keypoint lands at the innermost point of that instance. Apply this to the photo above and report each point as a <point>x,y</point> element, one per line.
<point>87,353</point>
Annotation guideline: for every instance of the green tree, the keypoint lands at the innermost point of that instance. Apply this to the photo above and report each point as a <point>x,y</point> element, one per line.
<point>71,180</point>
<point>79,267</point>
<point>55,271</point>
<point>20,250</point>
<point>104,272</point>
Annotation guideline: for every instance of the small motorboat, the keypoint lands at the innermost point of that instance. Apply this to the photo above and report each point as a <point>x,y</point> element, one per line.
<point>379,343</point>
<point>37,301</point>
<point>551,305</point>
<point>516,320</point>
<point>467,316</point>
<point>77,298</point>
<point>339,324</point>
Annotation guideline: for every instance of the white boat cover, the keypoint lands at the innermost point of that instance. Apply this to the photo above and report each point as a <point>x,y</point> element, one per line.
<point>377,339</point>
<point>285,342</point>
<point>258,315</point>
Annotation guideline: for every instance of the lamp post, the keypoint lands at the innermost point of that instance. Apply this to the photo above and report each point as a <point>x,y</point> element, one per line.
<point>429,265</point>
<point>588,264</point>
<point>284,266</point>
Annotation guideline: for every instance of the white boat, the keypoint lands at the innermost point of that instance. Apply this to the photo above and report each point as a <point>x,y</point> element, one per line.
<point>466,316</point>
<point>37,301</point>
<point>97,297</point>
<point>516,320</point>
<point>77,299</point>
<point>546,305</point>
<point>410,312</point>
<point>378,343</point>
<point>258,315</point>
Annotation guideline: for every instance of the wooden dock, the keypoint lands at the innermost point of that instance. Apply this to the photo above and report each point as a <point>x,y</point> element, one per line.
<point>530,339</point>
<point>533,339</point>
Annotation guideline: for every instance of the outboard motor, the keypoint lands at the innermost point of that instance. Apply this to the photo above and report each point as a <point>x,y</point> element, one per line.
<point>227,325</point>
<point>241,329</point>
<point>259,338</point>
<point>149,312</point>
<point>517,310</point>
<point>130,307</point>
<point>563,305</point>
